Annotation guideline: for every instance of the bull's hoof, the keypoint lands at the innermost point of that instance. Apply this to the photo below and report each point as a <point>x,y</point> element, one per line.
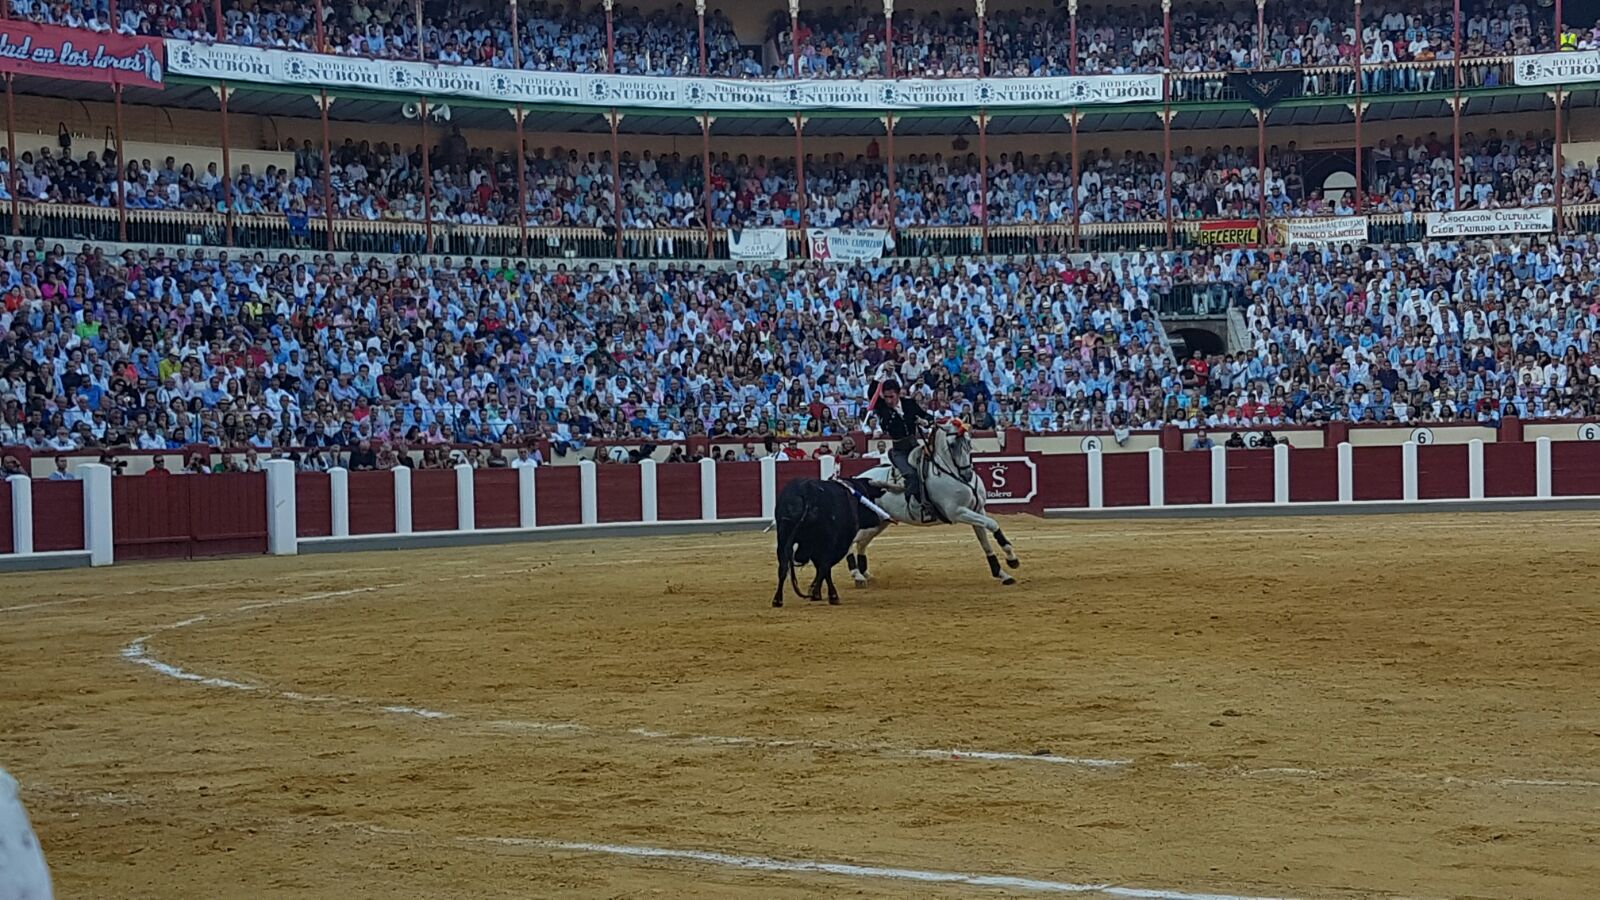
<point>815,598</point>
<point>834,600</point>
<point>1013,562</point>
<point>778,602</point>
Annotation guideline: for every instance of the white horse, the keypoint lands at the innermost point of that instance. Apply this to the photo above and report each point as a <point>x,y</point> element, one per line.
<point>951,485</point>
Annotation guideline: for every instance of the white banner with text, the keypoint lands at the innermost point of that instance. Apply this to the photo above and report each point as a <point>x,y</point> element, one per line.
<point>1472,222</point>
<point>233,63</point>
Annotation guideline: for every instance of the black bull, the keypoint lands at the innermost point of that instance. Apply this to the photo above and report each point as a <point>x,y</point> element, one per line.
<point>817,522</point>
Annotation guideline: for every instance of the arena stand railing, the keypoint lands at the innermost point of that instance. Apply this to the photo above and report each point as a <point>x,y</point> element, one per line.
<point>171,228</point>
<point>98,517</point>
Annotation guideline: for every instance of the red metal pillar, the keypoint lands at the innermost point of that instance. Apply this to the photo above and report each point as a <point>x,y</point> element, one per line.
<point>427,176</point>
<point>227,162</point>
<point>11,155</point>
<point>520,156</point>
<point>1361,175</point>
<point>322,33</point>
<point>1077,199</point>
<point>1560,26</point>
<point>794,38</point>
<point>983,174</point>
<point>122,172</point>
<point>422,44</point>
<point>521,160</point>
<point>611,37</point>
<point>1166,119</point>
<point>1560,185</point>
<point>888,37</point>
<point>700,17</point>
<point>800,167</point>
<point>983,38</point>
<point>1261,34</point>
<point>705,155</point>
<point>894,197</point>
<point>705,135</point>
<point>616,180</point>
<point>113,12</point>
<point>1455,110</point>
<point>327,169</point>
<point>216,13</point>
<point>1072,37</point>
<point>1261,171</point>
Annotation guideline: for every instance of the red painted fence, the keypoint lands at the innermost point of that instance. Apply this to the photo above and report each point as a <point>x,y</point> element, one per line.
<point>189,516</point>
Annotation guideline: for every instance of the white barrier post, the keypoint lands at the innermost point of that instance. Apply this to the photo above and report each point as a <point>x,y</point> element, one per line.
<point>1097,480</point>
<point>1542,477</point>
<point>708,489</point>
<point>1347,474</point>
<point>283,537</point>
<point>1158,477</point>
<point>21,513</point>
<point>402,500</point>
<point>589,491</point>
<point>1408,471</point>
<point>1280,473</point>
<point>769,486</point>
<point>466,499</point>
<point>527,497</point>
<point>97,534</point>
<point>828,467</point>
<point>1219,476</point>
<point>649,504</point>
<point>1475,469</point>
<point>339,501</point>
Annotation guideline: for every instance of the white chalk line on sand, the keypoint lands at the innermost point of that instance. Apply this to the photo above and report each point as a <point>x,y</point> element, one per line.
<point>138,653</point>
<point>853,870</point>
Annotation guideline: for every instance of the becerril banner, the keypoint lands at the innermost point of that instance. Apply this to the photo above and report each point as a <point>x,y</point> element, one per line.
<point>77,55</point>
<point>219,62</point>
<point>1225,233</point>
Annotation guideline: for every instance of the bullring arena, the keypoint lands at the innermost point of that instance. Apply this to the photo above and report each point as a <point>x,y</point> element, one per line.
<point>1352,706</point>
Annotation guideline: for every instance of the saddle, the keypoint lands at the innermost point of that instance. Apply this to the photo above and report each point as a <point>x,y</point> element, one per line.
<point>917,504</point>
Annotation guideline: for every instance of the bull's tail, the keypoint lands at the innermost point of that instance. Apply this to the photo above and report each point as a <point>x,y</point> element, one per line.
<point>787,526</point>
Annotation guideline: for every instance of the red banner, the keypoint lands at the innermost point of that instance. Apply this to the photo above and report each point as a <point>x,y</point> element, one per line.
<point>1229,233</point>
<point>76,55</point>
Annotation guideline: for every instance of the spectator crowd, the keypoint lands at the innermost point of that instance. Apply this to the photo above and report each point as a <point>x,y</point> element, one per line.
<point>853,43</point>
<point>245,354</point>
<point>570,188</point>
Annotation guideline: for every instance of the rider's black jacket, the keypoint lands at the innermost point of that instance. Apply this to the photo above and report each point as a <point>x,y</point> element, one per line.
<point>901,426</point>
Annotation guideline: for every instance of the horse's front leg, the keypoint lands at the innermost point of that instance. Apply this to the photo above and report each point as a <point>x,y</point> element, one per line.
<point>994,561</point>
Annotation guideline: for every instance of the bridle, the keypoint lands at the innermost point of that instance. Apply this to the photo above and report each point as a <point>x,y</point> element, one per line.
<point>963,473</point>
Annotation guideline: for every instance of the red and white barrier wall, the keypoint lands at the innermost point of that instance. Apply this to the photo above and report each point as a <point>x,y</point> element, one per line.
<point>100,518</point>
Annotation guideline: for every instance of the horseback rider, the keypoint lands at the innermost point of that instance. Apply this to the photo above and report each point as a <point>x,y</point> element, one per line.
<point>898,416</point>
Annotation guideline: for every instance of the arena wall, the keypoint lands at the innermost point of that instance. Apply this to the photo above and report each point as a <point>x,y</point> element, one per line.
<point>99,518</point>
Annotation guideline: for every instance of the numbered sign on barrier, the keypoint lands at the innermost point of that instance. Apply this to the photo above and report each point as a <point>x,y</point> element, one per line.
<point>1007,479</point>
<point>1589,431</point>
<point>1092,442</point>
<point>1423,436</point>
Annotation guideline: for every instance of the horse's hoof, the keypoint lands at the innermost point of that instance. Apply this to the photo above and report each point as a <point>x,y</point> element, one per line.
<point>1013,562</point>
<point>861,581</point>
<point>1007,579</point>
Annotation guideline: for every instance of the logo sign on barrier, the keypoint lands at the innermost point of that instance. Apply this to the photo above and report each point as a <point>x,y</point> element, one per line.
<point>1007,479</point>
<point>1589,431</point>
<point>1423,436</point>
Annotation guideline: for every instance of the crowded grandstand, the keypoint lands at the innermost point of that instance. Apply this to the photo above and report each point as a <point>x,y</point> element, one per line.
<point>396,273</point>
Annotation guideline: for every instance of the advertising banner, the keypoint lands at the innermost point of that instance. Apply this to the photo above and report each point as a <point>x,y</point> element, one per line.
<point>839,245</point>
<point>1343,230</point>
<point>764,244</point>
<point>1472,222</point>
<point>77,55</point>
<point>1556,68</point>
<point>1229,233</point>
<point>266,66</point>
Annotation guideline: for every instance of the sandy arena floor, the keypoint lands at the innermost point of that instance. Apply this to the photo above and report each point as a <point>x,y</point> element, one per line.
<point>1349,707</point>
